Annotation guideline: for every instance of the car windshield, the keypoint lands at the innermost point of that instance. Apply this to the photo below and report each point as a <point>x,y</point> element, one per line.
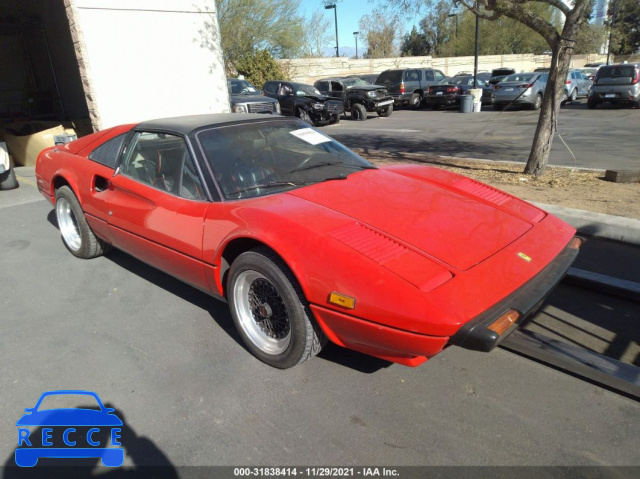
<point>520,77</point>
<point>303,90</point>
<point>256,159</point>
<point>241,87</point>
<point>354,82</point>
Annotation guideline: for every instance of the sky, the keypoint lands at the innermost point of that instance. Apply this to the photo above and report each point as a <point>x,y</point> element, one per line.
<point>349,14</point>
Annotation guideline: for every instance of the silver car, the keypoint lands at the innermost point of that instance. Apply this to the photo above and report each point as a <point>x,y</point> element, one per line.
<point>576,85</point>
<point>616,84</point>
<point>520,89</point>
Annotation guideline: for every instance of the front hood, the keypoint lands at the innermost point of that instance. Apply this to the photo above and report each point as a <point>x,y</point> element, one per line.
<point>252,99</point>
<point>460,224</point>
<point>365,87</point>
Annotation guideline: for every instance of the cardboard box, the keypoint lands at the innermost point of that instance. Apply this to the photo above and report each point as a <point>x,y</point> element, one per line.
<point>25,148</point>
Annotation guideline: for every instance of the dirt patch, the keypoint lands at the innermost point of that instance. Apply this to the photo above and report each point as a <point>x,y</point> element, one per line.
<point>573,188</point>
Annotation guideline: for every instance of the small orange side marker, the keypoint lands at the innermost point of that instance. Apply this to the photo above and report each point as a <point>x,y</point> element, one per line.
<point>575,243</point>
<point>342,300</point>
<point>504,322</point>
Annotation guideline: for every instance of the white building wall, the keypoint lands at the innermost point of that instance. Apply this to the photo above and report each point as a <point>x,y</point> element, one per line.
<point>152,58</point>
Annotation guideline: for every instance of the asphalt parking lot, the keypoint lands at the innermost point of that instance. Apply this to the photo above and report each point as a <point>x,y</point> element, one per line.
<point>604,138</point>
<point>167,358</point>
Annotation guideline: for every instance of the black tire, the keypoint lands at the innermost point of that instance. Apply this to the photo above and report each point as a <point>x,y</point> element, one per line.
<point>574,95</point>
<point>74,229</point>
<point>416,101</point>
<point>259,275</point>
<point>435,107</point>
<point>591,104</point>
<point>386,111</point>
<point>335,119</point>
<point>8,180</point>
<point>304,115</point>
<point>538,103</point>
<point>358,112</point>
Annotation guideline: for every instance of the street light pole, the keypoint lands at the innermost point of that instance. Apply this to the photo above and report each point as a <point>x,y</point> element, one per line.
<point>355,34</point>
<point>335,13</point>
<point>475,59</point>
<point>455,45</point>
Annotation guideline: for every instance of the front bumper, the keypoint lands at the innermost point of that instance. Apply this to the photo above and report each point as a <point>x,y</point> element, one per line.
<point>526,301</point>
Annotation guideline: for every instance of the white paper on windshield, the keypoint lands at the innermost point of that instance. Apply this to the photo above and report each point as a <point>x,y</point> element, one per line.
<point>310,136</point>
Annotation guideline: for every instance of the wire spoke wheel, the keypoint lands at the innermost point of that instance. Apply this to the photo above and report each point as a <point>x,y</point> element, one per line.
<point>262,312</point>
<point>68,224</point>
<point>270,311</point>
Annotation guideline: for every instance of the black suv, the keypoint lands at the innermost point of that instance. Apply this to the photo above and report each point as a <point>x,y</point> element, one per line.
<point>499,74</point>
<point>245,98</point>
<point>409,86</point>
<point>358,96</point>
<point>304,101</point>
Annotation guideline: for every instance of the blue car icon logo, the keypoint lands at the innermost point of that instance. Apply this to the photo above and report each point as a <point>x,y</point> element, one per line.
<point>85,433</point>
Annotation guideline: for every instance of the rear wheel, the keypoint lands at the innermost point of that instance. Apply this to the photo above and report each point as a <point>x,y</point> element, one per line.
<point>270,311</point>
<point>574,95</point>
<point>416,101</point>
<point>386,111</point>
<point>358,112</point>
<point>537,103</point>
<point>74,229</point>
<point>591,104</point>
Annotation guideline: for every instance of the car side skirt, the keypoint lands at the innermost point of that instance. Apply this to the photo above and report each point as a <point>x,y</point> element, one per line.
<point>390,344</point>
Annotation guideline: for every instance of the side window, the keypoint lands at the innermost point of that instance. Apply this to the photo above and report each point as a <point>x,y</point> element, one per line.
<point>107,153</point>
<point>163,161</point>
<point>335,86</point>
<point>285,90</point>
<point>271,87</point>
<point>439,75</point>
<point>412,75</point>
<point>323,86</point>
<point>428,76</point>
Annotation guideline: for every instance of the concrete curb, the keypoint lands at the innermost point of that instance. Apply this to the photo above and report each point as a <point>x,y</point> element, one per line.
<point>599,225</point>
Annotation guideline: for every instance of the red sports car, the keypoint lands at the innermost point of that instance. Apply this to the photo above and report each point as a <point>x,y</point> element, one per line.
<point>307,241</point>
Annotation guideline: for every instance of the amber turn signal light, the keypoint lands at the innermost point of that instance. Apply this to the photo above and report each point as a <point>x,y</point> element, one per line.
<point>342,300</point>
<point>575,243</point>
<point>504,322</point>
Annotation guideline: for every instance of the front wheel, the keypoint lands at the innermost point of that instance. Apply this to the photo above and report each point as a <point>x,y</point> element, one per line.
<point>358,112</point>
<point>386,111</point>
<point>74,229</point>
<point>335,119</point>
<point>574,95</point>
<point>304,115</point>
<point>270,311</point>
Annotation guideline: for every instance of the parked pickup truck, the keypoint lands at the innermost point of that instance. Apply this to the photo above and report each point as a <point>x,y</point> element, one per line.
<point>358,95</point>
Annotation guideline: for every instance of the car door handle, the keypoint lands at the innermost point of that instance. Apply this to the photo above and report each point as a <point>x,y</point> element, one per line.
<point>100,183</point>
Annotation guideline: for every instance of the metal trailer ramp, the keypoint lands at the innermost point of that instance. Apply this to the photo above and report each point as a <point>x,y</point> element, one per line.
<point>595,367</point>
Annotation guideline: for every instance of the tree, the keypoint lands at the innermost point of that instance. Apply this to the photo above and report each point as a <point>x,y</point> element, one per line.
<point>415,44</point>
<point>246,25</point>
<point>318,33</point>
<point>379,31</point>
<point>438,28</point>
<point>562,42</point>
<point>625,23</point>
<point>258,67</point>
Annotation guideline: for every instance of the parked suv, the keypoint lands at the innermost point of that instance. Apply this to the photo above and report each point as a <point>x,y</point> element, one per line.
<point>409,86</point>
<point>616,84</point>
<point>576,84</point>
<point>245,98</point>
<point>305,102</point>
<point>358,96</point>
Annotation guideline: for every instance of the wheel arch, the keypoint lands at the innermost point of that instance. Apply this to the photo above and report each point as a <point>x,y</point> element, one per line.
<point>58,181</point>
<point>235,247</point>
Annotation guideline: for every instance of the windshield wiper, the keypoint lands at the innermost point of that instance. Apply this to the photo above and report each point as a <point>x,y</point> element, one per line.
<point>330,163</point>
<point>271,184</point>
